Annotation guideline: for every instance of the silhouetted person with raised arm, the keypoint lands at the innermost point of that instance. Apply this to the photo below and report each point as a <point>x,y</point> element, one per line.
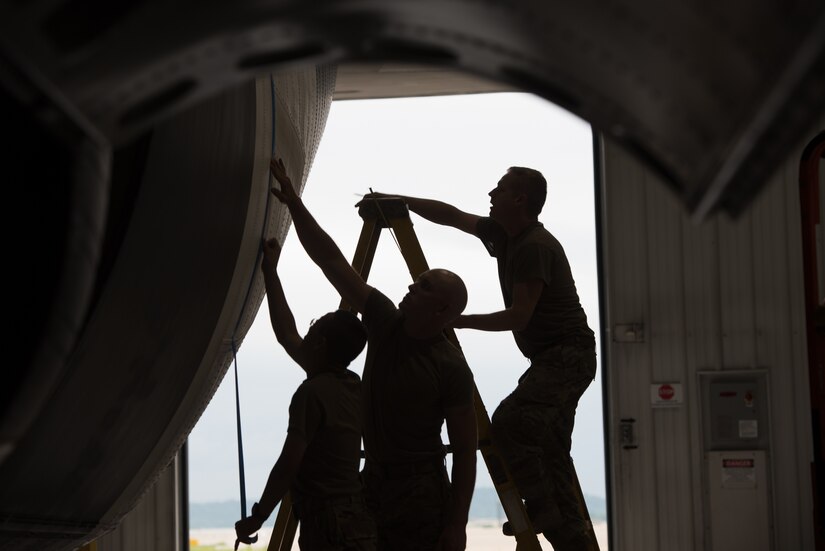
<point>414,380</point>
<point>321,456</point>
<point>533,426</point>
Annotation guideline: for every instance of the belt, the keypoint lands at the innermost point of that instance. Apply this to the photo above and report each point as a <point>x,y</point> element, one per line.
<point>307,507</point>
<point>580,343</point>
<point>392,471</point>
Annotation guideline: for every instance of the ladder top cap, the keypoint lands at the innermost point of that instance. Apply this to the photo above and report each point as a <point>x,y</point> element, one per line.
<point>383,208</point>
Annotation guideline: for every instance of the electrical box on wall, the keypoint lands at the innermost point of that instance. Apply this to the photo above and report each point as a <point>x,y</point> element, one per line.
<point>735,437</point>
<point>734,410</point>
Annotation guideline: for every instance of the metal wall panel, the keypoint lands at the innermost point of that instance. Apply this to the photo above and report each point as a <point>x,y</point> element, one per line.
<point>155,522</point>
<point>637,500</point>
<point>665,340</point>
<point>719,295</point>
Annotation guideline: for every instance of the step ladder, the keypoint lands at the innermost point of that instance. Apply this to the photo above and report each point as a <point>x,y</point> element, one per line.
<point>393,213</point>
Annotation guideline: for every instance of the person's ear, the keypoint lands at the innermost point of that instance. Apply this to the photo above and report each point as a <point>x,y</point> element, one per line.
<point>443,310</point>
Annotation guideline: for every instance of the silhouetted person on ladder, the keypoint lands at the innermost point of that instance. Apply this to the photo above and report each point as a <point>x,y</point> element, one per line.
<point>532,427</point>
<point>414,381</point>
<point>321,456</point>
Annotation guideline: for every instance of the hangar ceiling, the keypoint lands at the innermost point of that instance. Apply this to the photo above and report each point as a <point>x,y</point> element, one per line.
<point>403,80</point>
<point>711,96</point>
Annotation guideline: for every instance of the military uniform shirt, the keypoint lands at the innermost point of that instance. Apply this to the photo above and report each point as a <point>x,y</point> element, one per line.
<point>535,254</point>
<point>408,384</point>
<point>326,412</point>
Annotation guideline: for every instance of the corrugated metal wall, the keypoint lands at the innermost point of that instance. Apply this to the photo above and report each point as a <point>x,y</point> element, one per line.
<point>720,295</point>
<point>155,523</point>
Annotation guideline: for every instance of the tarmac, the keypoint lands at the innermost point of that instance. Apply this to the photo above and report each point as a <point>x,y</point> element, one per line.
<point>482,535</point>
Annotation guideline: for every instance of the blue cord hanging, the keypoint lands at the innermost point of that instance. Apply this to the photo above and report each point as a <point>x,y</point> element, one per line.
<point>237,324</point>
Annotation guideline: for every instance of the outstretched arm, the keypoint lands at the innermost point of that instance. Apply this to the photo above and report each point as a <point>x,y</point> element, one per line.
<point>277,485</point>
<point>437,212</point>
<point>318,244</point>
<point>515,318</point>
<point>463,433</point>
<point>280,315</point>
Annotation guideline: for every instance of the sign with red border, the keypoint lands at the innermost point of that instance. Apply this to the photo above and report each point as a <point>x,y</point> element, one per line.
<point>666,395</point>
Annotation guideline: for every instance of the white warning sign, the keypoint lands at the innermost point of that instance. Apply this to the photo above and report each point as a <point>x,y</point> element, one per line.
<point>738,472</point>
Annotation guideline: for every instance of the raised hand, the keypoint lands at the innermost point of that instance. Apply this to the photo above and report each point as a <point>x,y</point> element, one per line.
<point>372,196</point>
<point>287,193</point>
<point>272,253</point>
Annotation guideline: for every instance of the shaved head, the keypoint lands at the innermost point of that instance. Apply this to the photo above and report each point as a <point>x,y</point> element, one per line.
<point>450,287</point>
<point>433,302</point>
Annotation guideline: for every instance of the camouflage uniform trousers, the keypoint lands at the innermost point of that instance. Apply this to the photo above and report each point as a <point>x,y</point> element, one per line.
<point>337,525</point>
<point>532,429</point>
<point>410,508</point>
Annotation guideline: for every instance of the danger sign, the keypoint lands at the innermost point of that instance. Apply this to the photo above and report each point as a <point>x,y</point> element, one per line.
<point>737,463</point>
<point>738,472</point>
<point>666,394</point>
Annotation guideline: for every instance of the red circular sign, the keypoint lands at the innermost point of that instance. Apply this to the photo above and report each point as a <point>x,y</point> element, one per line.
<point>666,392</point>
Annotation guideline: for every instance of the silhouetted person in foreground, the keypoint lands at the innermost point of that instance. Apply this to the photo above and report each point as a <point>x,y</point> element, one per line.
<point>414,381</point>
<point>532,427</point>
<point>321,456</point>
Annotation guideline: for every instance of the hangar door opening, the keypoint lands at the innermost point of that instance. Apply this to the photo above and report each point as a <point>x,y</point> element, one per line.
<point>451,148</point>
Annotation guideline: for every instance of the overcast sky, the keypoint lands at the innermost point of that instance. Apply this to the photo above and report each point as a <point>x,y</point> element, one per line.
<point>449,148</point>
